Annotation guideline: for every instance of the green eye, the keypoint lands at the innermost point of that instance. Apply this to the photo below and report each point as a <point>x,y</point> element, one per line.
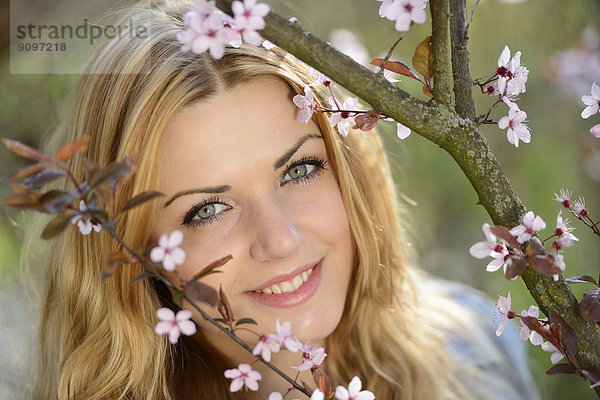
<point>298,172</point>
<point>206,211</point>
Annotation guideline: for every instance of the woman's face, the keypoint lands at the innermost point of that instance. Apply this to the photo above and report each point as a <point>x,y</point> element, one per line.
<point>243,177</point>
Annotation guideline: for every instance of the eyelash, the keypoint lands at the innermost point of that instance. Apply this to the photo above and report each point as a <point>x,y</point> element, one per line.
<point>319,165</point>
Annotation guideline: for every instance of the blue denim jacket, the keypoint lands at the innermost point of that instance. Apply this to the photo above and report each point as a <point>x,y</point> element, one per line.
<point>490,367</point>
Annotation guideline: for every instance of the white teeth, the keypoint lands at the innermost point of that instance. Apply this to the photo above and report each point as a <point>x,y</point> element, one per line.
<point>288,286</point>
<point>297,282</point>
<point>275,289</point>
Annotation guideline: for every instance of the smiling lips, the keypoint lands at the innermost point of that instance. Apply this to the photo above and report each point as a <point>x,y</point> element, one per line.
<point>289,291</point>
<point>288,286</point>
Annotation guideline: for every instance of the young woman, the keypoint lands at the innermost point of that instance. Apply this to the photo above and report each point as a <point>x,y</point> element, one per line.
<point>302,210</point>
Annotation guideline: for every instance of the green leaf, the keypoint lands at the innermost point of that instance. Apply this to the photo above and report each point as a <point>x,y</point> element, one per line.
<point>242,321</point>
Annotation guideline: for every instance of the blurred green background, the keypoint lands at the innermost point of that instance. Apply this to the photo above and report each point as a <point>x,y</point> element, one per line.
<point>441,212</point>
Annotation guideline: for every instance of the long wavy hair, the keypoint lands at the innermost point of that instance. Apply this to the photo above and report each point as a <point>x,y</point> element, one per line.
<point>96,339</point>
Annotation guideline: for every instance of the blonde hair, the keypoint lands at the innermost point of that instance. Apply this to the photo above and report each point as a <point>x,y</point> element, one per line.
<point>96,339</point>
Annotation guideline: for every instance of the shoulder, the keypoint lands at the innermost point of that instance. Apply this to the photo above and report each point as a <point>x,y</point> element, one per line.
<point>492,366</point>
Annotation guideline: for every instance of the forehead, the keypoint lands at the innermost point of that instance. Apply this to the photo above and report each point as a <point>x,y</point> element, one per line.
<point>251,122</point>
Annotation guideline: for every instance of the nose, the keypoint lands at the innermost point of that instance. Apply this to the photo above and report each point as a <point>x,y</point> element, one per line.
<point>276,235</point>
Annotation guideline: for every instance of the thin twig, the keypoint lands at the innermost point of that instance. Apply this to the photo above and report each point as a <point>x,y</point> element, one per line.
<point>466,33</point>
<point>389,53</point>
<point>151,270</point>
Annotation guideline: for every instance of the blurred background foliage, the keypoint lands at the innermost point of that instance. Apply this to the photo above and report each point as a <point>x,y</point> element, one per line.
<point>441,212</point>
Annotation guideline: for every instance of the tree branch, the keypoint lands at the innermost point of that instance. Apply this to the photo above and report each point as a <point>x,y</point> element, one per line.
<point>460,137</point>
<point>440,42</point>
<point>461,64</point>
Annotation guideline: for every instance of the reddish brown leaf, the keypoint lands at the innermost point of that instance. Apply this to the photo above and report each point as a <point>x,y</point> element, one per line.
<point>568,336</point>
<point>504,234</point>
<point>115,261</point>
<point>224,307</point>
<point>397,67</point>
<point>367,121</point>
<point>24,151</point>
<point>423,58</point>
<point>534,247</point>
<point>206,270</point>
<point>515,266</point>
<point>591,373</point>
<point>323,382</point>
<point>111,170</point>
<point>544,265</point>
<point>589,308</point>
<point>90,167</point>
<point>201,292</point>
<point>69,149</point>
<point>561,369</point>
<point>19,188</point>
<point>141,277</point>
<point>140,199</point>
<point>426,91</point>
<point>56,226</point>
<point>118,180</point>
<point>581,279</point>
<point>42,178</point>
<point>23,172</point>
<point>26,200</point>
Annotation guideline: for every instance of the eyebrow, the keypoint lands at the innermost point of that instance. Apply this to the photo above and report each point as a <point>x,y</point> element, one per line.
<point>224,188</point>
<point>286,157</point>
<point>214,189</point>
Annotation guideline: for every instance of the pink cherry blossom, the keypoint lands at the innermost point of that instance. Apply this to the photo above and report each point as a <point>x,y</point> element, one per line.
<point>404,12</point>
<point>204,33</point>
<point>595,131</point>
<point>515,124</point>
<point>512,76</point>
<point>84,222</point>
<point>530,224</point>
<point>343,120</point>
<point>579,206</point>
<point>526,333</point>
<point>249,18</point>
<point>275,396</point>
<point>242,376</point>
<point>317,395</point>
<point>402,131</point>
<point>490,247</point>
<point>559,261</point>
<point>556,354</point>
<point>266,345</point>
<point>307,105</point>
<point>564,198</point>
<point>505,311</point>
<point>353,392</point>
<point>591,101</point>
<point>173,324</point>
<point>312,356</point>
<point>168,251</point>
<point>563,228</point>
<point>268,44</point>
<point>284,336</point>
